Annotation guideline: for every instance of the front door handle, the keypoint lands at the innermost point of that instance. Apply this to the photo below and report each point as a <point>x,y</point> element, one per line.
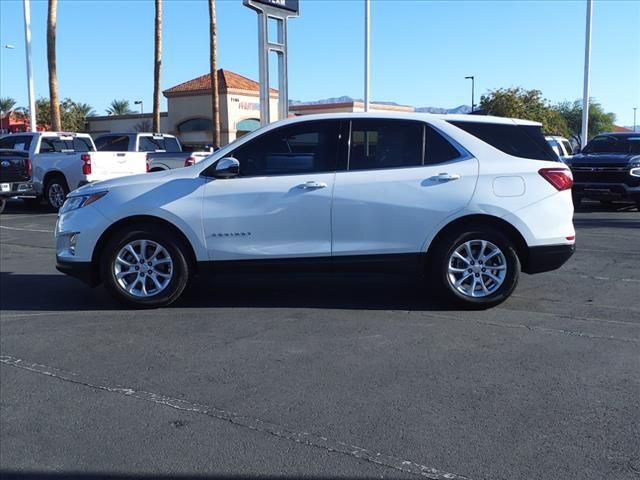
<point>312,185</point>
<point>444,177</point>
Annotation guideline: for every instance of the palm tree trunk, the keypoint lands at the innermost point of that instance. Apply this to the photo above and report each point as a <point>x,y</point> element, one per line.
<point>156,69</point>
<point>52,14</point>
<point>213,49</point>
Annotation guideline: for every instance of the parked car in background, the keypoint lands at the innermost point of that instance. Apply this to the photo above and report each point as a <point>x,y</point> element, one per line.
<point>163,151</point>
<point>62,161</point>
<point>466,201</point>
<point>561,146</point>
<point>15,175</point>
<point>608,168</point>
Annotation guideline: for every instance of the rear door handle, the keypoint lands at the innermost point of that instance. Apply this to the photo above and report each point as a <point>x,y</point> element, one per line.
<point>311,185</point>
<point>444,177</point>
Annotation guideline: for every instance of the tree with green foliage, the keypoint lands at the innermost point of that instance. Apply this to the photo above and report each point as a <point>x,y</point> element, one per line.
<point>73,115</point>
<point>119,107</point>
<point>599,120</point>
<point>6,105</point>
<point>526,104</point>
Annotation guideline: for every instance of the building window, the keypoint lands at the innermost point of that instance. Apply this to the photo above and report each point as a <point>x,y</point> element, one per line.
<point>245,126</point>
<point>195,125</point>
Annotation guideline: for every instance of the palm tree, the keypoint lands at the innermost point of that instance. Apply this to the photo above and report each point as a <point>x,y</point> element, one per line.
<point>56,123</point>
<point>213,48</point>
<point>156,67</point>
<point>6,105</point>
<point>119,107</point>
<point>84,110</point>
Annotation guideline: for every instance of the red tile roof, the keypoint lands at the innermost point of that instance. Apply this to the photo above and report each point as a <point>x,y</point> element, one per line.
<point>226,81</point>
<point>618,129</point>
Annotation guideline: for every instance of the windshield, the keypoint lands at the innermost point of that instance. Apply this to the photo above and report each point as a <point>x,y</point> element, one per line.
<point>611,144</point>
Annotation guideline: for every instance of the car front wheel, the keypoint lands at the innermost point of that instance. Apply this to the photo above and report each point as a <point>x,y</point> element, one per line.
<point>478,268</point>
<point>145,267</point>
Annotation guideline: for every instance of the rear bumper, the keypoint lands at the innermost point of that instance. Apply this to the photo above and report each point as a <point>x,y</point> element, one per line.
<point>547,258</point>
<point>83,271</point>
<point>18,189</point>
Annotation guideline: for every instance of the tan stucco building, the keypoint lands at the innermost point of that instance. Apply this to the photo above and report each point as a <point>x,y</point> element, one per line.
<point>189,110</point>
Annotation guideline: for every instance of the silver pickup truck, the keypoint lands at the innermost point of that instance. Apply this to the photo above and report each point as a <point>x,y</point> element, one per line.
<point>163,151</point>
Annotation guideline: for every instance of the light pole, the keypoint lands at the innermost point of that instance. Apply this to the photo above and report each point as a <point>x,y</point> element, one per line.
<point>10,47</point>
<point>26,5</point>
<point>367,43</point>
<point>473,87</point>
<point>587,77</point>
<point>139,102</point>
<point>634,118</point>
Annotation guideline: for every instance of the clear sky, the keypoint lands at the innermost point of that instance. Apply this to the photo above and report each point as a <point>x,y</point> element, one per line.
<point>421,50</point>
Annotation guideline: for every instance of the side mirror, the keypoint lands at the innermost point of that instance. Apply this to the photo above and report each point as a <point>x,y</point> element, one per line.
<point>227,167</point>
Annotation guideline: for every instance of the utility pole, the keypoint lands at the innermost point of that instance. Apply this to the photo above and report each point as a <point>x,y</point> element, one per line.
<point>587,72</point>
<point>634,118</point>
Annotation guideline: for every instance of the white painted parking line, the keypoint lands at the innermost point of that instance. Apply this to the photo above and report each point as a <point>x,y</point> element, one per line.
<point>256,424</point>
<point>14,217</point>
<point>26,229</point>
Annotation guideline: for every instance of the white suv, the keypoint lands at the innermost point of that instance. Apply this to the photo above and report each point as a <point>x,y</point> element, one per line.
<point>467,201</point>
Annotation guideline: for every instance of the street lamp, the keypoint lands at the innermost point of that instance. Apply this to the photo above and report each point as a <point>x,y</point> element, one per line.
<point>473,85</point>
<point>139,102</point>
<point>10,47</point>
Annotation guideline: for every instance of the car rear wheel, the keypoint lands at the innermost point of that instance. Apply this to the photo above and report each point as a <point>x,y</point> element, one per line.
<point>144,267</point>
<point>55,192</point>
<point>477,267</point>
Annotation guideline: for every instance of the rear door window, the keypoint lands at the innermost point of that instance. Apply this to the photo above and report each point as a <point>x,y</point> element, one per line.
<point>524,141</point>
<point>377,144</point>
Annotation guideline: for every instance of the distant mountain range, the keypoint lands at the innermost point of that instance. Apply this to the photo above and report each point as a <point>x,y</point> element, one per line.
<point>346,99</point>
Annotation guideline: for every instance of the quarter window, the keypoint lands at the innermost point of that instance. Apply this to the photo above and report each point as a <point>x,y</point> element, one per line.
<point>377,144</point>
<point>439,150</point>
<point>301,148</point>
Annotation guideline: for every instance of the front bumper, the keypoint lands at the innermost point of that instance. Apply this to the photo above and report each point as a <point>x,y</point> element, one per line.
<point>547,258</point>
<point>597,191</point>
<point>83,271</point>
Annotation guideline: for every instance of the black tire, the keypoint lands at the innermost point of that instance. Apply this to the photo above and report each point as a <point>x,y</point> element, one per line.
<point>446,246</point>
<point>55,192</point>
<point>3,203</point>
<point>179,272</point>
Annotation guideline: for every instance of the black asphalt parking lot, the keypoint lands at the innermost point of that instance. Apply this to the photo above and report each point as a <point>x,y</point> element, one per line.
<point>358,377</point>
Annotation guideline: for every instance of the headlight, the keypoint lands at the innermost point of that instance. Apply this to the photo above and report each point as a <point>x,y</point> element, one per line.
<point>79,201</point>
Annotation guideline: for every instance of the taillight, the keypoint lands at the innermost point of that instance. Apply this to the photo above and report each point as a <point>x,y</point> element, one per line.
<point>29,167</point>
<point>148,167</point>
<point>86,163</point>
<point>560,178</point>
<point>189,161</point>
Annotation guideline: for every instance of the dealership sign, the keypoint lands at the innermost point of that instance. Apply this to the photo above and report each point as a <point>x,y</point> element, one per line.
<point>289,5</point>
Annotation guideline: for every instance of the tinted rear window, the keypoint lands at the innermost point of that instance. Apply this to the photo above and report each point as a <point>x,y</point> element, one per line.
<point>518,140</point>
<point>65,144</point>
<point>158,144</point>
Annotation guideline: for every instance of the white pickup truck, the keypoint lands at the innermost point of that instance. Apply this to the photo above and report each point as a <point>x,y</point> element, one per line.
<point>65,161</point>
